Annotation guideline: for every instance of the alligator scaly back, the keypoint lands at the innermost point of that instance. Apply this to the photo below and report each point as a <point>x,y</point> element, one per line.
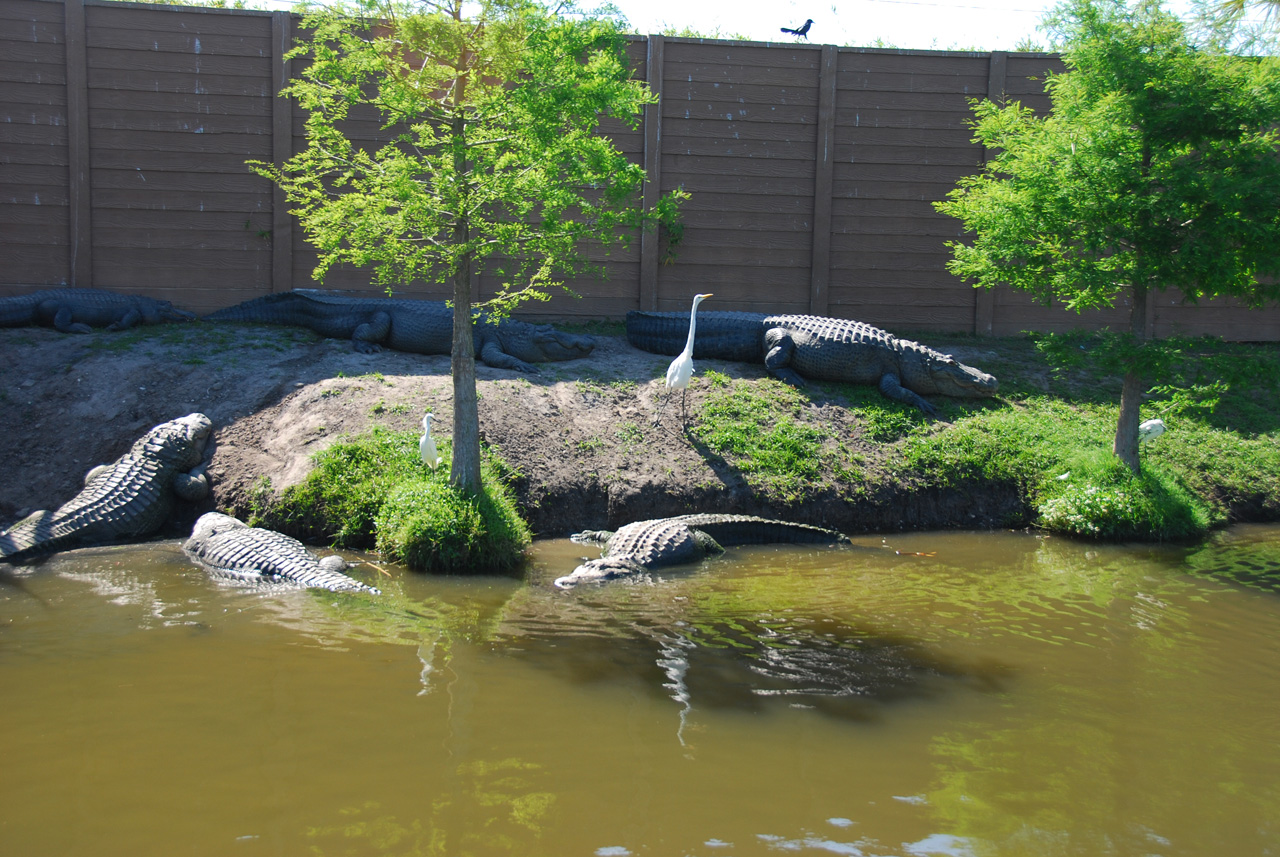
<point>127,499</point>
<point>233,550</point>
<point>644,545</point>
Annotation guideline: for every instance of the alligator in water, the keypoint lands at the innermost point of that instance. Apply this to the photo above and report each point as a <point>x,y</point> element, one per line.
<point>81,310</point>
<point>127,499</point>
<point>420,327</point>
<point>638,547</point>
<point>233,550</point>
<point>796,347</point>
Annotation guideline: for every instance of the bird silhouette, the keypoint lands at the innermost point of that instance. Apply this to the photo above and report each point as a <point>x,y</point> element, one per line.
<point>802,30</point>
<point>681,369</point>
<point>427,445</point>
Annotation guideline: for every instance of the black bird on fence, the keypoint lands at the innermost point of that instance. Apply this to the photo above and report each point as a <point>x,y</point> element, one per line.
<point>802,30</point>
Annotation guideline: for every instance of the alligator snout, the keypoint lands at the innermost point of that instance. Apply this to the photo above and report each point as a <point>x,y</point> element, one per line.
<point>981,382</point>
<point>558,345</point>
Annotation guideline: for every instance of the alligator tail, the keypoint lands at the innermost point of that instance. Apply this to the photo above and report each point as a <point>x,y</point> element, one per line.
<point>720,335</point>
<point>730,530</point>
<point>17,311</point>
<point>31,536</point>
<point>275,308</point>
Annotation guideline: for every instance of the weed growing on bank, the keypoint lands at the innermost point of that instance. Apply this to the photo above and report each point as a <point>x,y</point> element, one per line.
<point>374,491</point>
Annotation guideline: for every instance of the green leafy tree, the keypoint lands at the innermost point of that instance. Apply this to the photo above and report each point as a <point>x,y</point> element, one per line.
<point>1157,168</point>
<point>494,163</point>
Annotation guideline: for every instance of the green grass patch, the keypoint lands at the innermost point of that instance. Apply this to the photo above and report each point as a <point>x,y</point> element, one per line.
<point>1024,445</point>
<point>373,491</point>
<point>757,428</point>
<point>1059,456</point>
<point>883,420</point>
<point>1102,499</point>
<point>429,526</point>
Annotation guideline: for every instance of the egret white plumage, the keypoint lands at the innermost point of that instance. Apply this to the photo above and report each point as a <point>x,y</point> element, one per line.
<point>427,445</point>
<point>681,369</point>
<point>1150,429</point>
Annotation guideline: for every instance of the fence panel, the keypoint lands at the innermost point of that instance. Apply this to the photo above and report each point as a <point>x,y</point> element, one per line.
<point>179,99</point>
<point>124,131</point>
<point>34,184</point>
<point>901,144</point>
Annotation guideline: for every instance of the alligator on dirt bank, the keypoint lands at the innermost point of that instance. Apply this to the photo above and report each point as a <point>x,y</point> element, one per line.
<point>796,347</point>
<point>81,310</point>
<point>420,327</point>
<point>644,545</point>
<point>127,499</point>
<point>233,550</point>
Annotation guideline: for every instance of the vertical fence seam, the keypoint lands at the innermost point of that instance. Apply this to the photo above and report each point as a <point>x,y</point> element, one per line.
<point>820,264</point>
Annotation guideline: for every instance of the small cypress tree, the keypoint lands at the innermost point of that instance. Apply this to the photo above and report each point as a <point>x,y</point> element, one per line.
<point>1157,168</point>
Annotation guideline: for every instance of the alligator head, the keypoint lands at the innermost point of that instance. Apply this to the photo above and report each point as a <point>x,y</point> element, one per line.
<point>157,311</point>
<point>928,372</point>
<point>211,524</point>
<point>180,442</point>
<point>542,343</point>
<point>600,570</point>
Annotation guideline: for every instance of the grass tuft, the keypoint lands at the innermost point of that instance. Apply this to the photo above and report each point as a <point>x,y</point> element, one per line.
<point>373,491</point>
<point>1103,499</point>
<point>759,429</point>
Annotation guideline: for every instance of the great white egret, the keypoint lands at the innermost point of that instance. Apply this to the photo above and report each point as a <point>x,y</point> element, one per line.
<point>1150,429</point>
<point>427,445</point>
<point>681,369</point>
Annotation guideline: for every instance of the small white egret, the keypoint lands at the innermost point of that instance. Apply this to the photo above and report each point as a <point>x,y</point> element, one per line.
<point>427,445</point>
<point>681,369</point>
<point>1150,429</point>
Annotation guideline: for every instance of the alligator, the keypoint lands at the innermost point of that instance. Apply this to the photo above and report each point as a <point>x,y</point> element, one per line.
<point>127,499</point>
<point>238,552</point>
<point>796,347</point>
<point>420,327</point>
<point>81,310</point>
<point>638,547</point>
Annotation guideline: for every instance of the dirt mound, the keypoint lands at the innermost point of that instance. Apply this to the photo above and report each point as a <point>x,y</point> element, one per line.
<point>580,433</point>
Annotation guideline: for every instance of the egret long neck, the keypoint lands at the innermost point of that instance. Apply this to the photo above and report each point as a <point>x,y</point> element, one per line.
<point>693,324</point>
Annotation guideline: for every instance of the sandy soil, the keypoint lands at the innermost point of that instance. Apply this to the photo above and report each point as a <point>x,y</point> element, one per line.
<point>580,432</point>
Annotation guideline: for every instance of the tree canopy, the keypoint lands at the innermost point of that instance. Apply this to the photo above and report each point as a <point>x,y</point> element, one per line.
<point>493,161</point>
<point>1157,168</point>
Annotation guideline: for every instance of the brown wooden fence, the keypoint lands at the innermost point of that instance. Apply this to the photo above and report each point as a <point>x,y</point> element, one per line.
<point>124,131</point>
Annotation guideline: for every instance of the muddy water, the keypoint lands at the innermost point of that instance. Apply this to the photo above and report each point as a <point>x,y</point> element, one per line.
<point>1000,695</point>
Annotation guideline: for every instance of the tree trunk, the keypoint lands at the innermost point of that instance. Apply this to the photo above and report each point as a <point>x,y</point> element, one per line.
<point>464,473</point>
<point>1125,445</point>
<point>1126,442</point>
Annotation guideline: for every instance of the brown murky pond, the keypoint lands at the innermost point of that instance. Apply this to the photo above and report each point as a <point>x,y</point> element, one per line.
<point>1001,695</point>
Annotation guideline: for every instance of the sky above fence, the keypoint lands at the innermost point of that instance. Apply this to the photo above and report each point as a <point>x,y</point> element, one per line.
<point>984,25</point>
<point>916,24</point>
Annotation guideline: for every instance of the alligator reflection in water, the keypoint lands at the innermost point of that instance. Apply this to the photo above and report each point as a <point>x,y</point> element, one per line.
<point>733,661</point>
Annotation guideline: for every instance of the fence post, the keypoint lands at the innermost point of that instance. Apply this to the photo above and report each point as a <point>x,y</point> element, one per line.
<point>79,188</point>
<point>820,264</point>
<point>984,300</point>
<point>649,239</point>
<point>281,151</point>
